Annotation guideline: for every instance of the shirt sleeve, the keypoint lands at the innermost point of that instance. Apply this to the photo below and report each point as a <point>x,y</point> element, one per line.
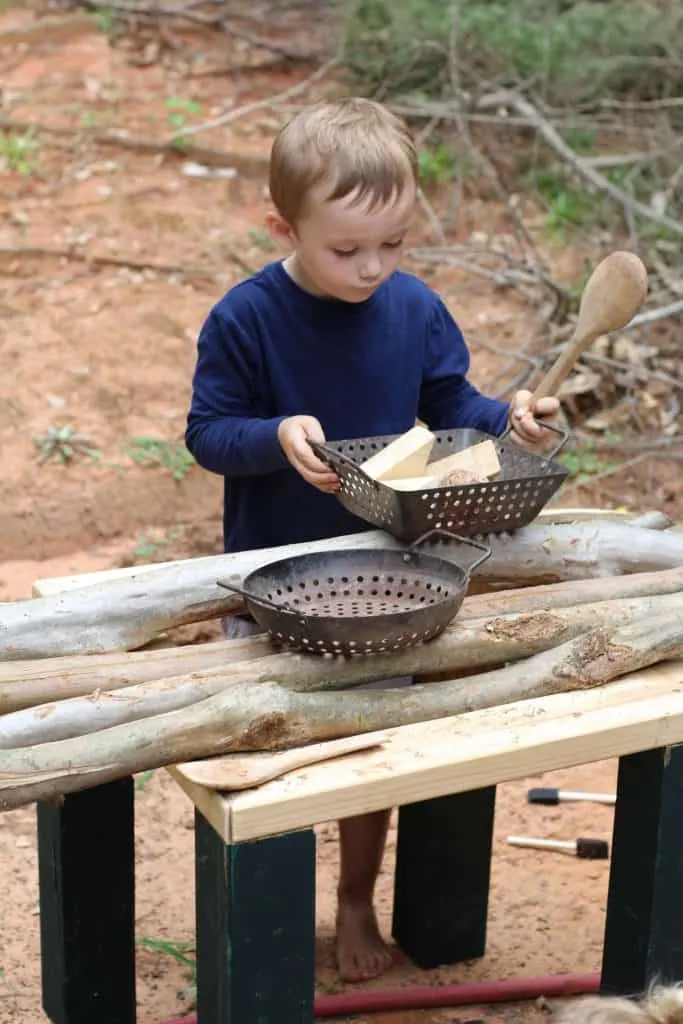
<point>447,399</point>
<point>227,429</point>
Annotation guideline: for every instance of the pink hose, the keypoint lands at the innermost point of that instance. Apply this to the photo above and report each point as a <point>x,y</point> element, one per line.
<point>425,997</point>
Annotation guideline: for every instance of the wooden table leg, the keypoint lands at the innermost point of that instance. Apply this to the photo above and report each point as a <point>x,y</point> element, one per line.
<point>255,928</point>
<point>644,928</point>
<point>86,868</point>
<point>441,887</point>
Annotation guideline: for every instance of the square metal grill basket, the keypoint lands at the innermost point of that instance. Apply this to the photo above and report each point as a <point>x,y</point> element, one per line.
<point>514,498</point>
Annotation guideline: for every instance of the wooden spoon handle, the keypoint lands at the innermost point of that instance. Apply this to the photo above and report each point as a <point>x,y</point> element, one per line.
<point>564,364</point>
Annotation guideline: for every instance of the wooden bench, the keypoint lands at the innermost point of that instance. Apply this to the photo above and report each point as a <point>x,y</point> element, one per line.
<point>255,855</point>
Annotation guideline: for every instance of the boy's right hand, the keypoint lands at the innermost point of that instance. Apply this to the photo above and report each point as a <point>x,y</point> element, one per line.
<point>292,435</point>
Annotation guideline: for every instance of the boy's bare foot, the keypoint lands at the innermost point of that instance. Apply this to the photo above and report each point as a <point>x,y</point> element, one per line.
<point>361,952</point>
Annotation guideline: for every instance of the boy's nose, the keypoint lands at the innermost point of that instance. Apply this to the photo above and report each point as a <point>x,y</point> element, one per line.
<point>370,270</point>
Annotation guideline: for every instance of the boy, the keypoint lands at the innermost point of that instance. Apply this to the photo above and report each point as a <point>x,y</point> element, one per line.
<point>333,341</point>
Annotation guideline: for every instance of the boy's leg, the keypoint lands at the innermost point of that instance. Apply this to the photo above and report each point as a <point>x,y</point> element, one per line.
<point>362,953</point>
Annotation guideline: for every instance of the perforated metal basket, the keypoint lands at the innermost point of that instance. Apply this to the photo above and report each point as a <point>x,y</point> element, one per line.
<point>514,498</point>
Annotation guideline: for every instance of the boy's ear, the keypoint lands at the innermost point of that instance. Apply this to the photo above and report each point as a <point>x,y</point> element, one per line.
<point>280,231</point>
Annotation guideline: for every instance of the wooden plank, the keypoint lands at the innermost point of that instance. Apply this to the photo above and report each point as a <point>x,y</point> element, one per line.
<point>460,753</point>
<point>57,584</point>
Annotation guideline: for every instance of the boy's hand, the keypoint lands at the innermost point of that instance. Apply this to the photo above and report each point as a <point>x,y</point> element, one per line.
<point>523,415</point>
<point>292,435</point>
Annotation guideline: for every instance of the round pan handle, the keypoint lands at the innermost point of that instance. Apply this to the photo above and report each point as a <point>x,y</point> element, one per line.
<point>485,548</point>
<point>250,597</point>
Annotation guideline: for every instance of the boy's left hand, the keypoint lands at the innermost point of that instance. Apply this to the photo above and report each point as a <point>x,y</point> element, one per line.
<point>524,429</point>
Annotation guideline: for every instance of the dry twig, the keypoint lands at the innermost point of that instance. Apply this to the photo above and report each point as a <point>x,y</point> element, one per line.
<point>579,164</point>
<point>267,101</point>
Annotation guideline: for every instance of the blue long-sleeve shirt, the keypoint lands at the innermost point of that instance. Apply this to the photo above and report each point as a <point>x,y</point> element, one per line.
<point>269,350</point>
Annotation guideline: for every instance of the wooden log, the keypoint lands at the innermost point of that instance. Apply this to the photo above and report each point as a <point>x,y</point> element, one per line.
<point>27,684</point>
<point>267,716</point>
<point>126,614</point>
<point>468,645</point>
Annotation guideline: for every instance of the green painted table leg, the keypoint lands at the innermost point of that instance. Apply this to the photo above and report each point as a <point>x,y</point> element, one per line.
<point>86,870</point>
<point>441,888</point>
<point>644,928</point>
<point>255,928</point>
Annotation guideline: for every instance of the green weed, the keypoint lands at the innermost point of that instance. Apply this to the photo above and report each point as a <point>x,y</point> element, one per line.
<point>584,463</point>
<point>18,150</point>
<point>155,451</point>
<point>63,444</point>
<point>143,778</point>
<point>262,239</point>
<point>435,166</point>
<point>177,111</point>
<point>183,952</point>
<point>146,547</point>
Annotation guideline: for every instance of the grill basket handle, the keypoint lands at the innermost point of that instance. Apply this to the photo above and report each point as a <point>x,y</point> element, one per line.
<point>485,548</point>
<point>560,431</point>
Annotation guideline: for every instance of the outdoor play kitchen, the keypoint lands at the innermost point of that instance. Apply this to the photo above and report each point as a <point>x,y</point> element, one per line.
<point>568,652</point>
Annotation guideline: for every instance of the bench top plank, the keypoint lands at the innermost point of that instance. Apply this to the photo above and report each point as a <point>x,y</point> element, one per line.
<point>460,753</point>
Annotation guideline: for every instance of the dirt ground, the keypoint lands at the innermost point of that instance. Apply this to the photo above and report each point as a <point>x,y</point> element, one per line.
<point>107,348</point>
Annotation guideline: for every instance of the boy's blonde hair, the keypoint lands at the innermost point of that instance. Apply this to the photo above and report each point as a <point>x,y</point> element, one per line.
<point>663,1004</point>
<point>357,145</point>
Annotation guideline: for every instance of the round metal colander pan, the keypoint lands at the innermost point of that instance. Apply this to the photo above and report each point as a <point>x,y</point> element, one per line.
<point>357,601</point>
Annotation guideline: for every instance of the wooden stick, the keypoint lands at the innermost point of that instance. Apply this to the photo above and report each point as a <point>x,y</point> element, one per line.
<point>479,643</point>
<point>126,614</point>
<point>30,683</point>
<point>267,716</point>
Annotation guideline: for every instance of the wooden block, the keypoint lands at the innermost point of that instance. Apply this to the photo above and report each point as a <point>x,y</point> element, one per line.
<point>413,483</point>
<point>405,457</point>
<point>480,459</point>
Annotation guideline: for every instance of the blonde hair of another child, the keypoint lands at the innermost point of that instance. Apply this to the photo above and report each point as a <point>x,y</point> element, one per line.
<point>357,146</point>
<point>662,1004</point>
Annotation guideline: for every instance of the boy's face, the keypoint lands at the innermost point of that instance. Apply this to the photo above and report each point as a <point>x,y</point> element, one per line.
<point>346,250</point>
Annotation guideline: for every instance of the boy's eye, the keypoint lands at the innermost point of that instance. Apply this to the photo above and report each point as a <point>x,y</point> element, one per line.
<point>395,244</point>
<point>344,252</point>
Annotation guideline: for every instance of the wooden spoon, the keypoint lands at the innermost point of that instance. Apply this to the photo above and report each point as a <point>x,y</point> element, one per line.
<point>242,771</point>
<point>614,293</point>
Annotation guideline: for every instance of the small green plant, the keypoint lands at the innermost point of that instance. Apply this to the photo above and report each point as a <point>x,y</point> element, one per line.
<point>143,778</point>
<point>63,444</point>
<point>262,239</point>
<point>177,110</point>
<point>435,166</point>
<point>584,463</point>
<point>183,952</point>
<point>18,150</point>
<point>146,546</point>
<point>105,18</point>
<point>155,451</point>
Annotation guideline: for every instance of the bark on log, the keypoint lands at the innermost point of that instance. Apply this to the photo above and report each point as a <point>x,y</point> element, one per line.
<point>27,684</point>
<point>267,716</point>
<point>126,614</point>
<point>470,645</point>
